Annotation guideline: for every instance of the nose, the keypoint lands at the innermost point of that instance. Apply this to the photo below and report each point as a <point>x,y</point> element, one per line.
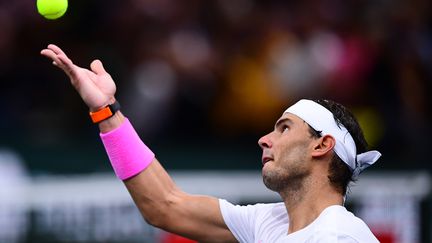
<point>265,142</point>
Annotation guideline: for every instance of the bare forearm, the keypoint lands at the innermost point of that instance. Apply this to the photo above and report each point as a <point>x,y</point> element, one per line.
<point>149,184</point>
<point>153,191</point>
<point>152,187</point>
<point>165,206</point>
<point>161,203</point>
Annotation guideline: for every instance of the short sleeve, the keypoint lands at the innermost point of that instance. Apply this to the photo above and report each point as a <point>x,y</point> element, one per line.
<point>239,219</point>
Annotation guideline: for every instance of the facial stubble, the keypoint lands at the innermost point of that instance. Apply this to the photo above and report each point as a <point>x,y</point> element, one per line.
<point>290,175</point>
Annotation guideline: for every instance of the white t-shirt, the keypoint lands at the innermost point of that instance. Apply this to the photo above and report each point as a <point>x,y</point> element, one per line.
<point>268,223</point>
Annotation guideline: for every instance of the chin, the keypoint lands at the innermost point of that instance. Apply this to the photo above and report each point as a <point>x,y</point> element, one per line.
<point>279,179</point>
<point>266,170</point>
<point>271,178</point>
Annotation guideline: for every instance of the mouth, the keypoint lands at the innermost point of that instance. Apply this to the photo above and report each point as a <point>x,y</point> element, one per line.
<point>266,159</point>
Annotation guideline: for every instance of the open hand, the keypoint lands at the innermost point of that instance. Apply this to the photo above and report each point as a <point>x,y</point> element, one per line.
<point>95,85</point>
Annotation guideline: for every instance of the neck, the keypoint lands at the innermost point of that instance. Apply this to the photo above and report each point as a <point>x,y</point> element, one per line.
<point>304,204</point>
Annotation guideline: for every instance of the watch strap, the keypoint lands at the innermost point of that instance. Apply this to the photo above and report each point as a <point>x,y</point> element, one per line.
<point>104,113</point>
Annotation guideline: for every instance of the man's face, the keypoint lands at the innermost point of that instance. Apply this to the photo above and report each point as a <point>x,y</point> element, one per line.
<point>286,154</point>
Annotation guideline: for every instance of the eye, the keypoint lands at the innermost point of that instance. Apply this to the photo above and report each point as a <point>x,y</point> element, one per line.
<point>284,128</point>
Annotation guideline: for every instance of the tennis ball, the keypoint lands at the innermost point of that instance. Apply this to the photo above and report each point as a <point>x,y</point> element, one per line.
<point>52,9</point>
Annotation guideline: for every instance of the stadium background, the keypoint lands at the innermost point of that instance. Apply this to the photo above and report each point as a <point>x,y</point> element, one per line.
<point>203,80</point>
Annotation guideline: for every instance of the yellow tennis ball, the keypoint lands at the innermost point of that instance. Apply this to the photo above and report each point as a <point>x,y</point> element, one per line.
<point>52,9</point>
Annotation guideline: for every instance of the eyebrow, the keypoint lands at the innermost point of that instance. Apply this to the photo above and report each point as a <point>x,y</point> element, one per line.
<point>283,120</point>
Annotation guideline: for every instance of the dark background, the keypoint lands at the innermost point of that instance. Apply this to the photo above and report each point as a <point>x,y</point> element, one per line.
<point>203,80</point>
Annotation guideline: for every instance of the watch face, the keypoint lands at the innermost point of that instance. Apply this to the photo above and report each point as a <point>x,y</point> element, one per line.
<point>101,114</point>
<point>105,113</point>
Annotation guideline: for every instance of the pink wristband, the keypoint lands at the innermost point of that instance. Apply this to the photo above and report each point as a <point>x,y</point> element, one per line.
<point>127,153</point>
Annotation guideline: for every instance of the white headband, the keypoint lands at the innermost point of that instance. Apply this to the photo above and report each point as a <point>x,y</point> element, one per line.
<point>321,119</point>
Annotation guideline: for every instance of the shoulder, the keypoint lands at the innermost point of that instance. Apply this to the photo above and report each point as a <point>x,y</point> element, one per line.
<point>257,221</point>
<point>343,226</point>
<point>259,209</point>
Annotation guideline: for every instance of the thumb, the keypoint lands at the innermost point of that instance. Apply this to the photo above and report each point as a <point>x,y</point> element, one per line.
<point>97,67</point>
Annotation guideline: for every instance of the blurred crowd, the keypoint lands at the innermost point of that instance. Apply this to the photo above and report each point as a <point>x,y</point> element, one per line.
<point>224,69</point>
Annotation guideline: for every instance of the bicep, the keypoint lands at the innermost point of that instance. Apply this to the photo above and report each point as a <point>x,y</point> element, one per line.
<point>167,207</point>
<point>200,218</point>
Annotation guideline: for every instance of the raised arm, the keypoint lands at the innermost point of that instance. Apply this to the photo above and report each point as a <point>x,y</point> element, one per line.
<point>160,201</point>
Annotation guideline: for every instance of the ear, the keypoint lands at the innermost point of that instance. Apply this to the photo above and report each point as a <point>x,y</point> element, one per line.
<point>323,146</point>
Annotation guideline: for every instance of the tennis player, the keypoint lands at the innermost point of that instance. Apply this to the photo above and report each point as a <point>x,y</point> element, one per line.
<point>314,151</point>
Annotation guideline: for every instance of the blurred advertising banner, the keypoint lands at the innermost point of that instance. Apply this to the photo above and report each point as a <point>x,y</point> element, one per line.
<point>390,203</point>
<point>98,208</point>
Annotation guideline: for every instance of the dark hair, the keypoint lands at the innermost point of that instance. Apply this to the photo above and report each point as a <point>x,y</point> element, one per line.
<point>340,174</point>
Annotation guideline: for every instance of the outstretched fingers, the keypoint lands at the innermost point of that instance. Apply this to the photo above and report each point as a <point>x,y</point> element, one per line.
<point>51,55</point>
<point>61,60</point>
<point>67,65</point>
<point>57,50</point>
<point>52,51</point>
